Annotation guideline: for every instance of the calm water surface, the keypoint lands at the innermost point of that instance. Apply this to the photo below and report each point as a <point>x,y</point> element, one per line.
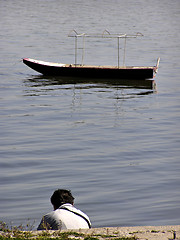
<point>116,147</point>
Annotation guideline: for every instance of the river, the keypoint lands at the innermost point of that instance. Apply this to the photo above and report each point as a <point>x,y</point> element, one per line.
<point>116,147</point>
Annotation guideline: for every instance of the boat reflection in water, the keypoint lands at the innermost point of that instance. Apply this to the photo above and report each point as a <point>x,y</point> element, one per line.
<point>67,82</point>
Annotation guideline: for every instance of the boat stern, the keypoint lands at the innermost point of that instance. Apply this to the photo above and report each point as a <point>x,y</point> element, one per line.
<point>156,67</point>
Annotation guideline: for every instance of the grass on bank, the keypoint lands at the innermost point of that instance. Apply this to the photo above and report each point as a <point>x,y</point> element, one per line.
<point>17,233</point>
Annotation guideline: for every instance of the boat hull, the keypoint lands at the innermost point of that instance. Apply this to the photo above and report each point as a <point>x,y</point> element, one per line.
<point>55,69</point>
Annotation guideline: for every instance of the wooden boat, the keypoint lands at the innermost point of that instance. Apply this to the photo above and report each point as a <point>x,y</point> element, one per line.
<point>90,71</point>
<point>59,69</point>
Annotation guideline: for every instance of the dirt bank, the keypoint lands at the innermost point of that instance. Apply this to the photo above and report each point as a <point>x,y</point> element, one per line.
<point>106,233</point>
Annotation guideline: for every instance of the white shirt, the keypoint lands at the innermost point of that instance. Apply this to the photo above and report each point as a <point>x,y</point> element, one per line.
<point>69,218</point>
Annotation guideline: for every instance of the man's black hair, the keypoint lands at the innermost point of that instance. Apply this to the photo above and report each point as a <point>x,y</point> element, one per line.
<point>61,196</point>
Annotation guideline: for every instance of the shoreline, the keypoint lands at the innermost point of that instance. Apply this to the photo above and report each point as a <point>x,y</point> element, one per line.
<point>140,232</point>
<point>169,232</point>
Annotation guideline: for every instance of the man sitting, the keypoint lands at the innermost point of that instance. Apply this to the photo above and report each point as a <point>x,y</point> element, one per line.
<point>65,215</point>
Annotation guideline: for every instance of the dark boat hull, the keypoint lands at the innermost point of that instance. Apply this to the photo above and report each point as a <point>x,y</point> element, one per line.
<point>52,69</point>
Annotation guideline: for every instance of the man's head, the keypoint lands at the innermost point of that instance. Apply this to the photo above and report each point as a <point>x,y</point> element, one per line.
<point>60,197</point>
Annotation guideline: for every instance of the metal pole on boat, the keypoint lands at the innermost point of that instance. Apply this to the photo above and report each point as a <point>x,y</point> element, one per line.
<point>75,50</point>
<point>124,51</point>
<point>83,50</point>
<point>118,50</point>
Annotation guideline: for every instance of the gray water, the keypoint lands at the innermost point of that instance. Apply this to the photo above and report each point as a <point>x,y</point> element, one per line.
<point>116,147</point>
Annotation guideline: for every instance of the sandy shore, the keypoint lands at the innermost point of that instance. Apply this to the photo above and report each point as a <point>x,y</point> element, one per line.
<point>107,233</point>
<point>141,232</point>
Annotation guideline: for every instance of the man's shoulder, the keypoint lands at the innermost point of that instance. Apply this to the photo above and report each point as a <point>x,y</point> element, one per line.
<point>49,214</point>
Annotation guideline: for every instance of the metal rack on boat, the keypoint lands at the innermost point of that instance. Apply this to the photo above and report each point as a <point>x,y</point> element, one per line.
<point>105,34</point>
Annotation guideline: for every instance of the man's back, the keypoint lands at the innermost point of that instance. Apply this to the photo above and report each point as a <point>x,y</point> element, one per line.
<point>65,217</point>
